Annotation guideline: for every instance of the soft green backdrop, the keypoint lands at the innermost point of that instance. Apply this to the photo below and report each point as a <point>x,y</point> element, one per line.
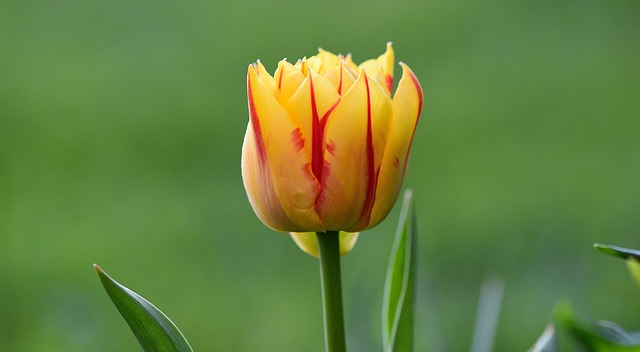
<point>121,124</point>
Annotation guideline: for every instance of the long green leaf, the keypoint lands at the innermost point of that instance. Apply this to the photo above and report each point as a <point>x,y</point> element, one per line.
<point>488,314</point>
<point>153,329</point>
<point>399,291</point>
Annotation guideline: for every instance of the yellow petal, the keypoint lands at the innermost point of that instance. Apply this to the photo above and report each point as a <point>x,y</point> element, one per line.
<point>258,183</point>
<point>355,140</point>
<point>350,64</point>
<point>380,78</point>
<point>384,63</point>
<point>308,242</point>
<point>341,78</point>
<point>387,61</point>
<point>407,105</point>
<point>266,78</point>
<point>276,166</point>
<point>288,78</point>
<point>329,61</point>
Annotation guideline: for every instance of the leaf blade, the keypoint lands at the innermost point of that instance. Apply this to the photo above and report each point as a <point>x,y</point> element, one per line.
<point>616,251</point>
<point>151,327</point>
<point>399,291</point>
<point>600,336</point>
<point>547,342</point>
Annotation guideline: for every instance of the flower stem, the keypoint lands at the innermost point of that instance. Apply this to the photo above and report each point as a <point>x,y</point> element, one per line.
<point>329,250</point>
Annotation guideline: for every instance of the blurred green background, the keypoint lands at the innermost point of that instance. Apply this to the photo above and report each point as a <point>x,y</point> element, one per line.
<point>121,124</point>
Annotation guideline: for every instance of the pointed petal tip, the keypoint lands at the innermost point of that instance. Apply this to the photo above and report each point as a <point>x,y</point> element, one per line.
<point>97,268</point>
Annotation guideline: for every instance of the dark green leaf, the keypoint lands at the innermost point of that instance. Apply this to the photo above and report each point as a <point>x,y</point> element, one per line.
<point>399,291</point>
<point>153,329</point>
<point>616,251</point>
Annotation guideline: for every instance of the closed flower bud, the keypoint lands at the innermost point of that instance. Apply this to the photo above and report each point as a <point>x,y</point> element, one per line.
<point>328,141</point>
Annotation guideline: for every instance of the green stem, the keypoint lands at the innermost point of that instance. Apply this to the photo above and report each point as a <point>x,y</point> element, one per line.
<point>329,251</point>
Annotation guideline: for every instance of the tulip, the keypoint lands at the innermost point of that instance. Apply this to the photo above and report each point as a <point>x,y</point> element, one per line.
<point>327,143</point>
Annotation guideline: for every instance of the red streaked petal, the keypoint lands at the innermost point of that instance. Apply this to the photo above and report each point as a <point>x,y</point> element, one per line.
<point>276,170</point>
<point>257,180</point>
<point>407,105</point>
<point>341,77</point>
<point>314,98</point>
<point>355,139</point>
<point>387,62</point>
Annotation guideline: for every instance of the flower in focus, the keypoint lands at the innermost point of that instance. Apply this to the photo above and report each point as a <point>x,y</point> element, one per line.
<point>327,143</point>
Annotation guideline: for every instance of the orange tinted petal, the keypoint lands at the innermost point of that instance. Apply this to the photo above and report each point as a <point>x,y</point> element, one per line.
<point>276,166</point>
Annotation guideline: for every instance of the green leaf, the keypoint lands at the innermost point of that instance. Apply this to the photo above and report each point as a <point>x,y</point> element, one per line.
<point>602,336</point>
<point>399,290</point>
<point>631,256</point>
<point>153,329</point>
<point>547,342</point>
<point>488,314</point>
<point>620,252</point>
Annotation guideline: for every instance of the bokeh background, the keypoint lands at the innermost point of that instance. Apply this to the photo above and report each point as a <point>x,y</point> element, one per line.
<point>121,124</point>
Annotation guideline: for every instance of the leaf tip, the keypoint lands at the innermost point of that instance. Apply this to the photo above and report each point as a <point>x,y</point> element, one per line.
<point>408,193</point>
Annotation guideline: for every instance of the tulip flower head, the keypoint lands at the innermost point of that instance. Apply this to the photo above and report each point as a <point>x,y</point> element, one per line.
<point>327,143</point>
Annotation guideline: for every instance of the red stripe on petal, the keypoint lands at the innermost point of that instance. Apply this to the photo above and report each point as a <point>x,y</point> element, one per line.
<point>280,78</point>
<point>340,85</point>
<point>414,79</point>
<point>255,124</point>
<point>296,139</point>
<point>325,117</point>
<point>388,79</point>
<point>372,173</point>
<point>322,196</point>
<point>317,156</point>
<point>331,147</point>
